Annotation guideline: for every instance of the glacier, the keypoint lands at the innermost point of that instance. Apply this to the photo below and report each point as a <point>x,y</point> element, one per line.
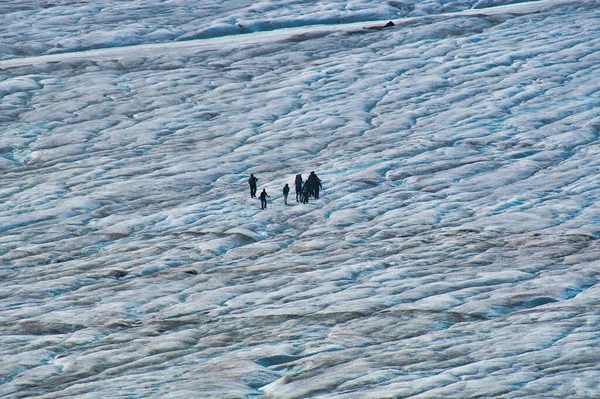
<point>454,250</point>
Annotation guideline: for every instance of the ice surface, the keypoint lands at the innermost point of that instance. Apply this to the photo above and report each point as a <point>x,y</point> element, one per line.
<point>453,251</point>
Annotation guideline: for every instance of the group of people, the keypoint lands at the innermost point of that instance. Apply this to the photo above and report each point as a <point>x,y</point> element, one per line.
<point>304,189</point>
<point>309,188</point>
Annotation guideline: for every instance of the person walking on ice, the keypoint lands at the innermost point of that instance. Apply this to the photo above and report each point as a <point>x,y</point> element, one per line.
<point>298,183</point>
<point>315,184</point>
<point>305,193</point>
<point>252,183</point>
<point>286,191</point>
<point>263,199</point>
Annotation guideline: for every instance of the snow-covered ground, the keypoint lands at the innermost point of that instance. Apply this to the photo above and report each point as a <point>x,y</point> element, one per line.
<point>453,253</point>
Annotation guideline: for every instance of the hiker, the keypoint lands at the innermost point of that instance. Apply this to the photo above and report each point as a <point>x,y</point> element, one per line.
<point>263,199</point>
<point>305,193</point>
<point>286,191</point>
<point>252,183</point>
<point>315,184</point>
<point>298,183</point>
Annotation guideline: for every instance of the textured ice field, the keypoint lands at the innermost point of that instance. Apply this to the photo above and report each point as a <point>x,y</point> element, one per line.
<point>453,253</point>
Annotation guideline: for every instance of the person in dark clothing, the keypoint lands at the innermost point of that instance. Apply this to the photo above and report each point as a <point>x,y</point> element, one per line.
<point>263,199</point>
<point>305,193</point>
<point>308,187</point>
<point>252,183</point>
<point>286,191</point>
<point>298,183</point>
<point>315,184</point>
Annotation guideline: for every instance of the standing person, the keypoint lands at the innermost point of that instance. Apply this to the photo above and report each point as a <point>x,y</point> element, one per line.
<point>305,193</point>
<point>286,191</point>
<point>298,183</point>
<point>263,199</point>
<point>315,184</point>
<point>252,183</point>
